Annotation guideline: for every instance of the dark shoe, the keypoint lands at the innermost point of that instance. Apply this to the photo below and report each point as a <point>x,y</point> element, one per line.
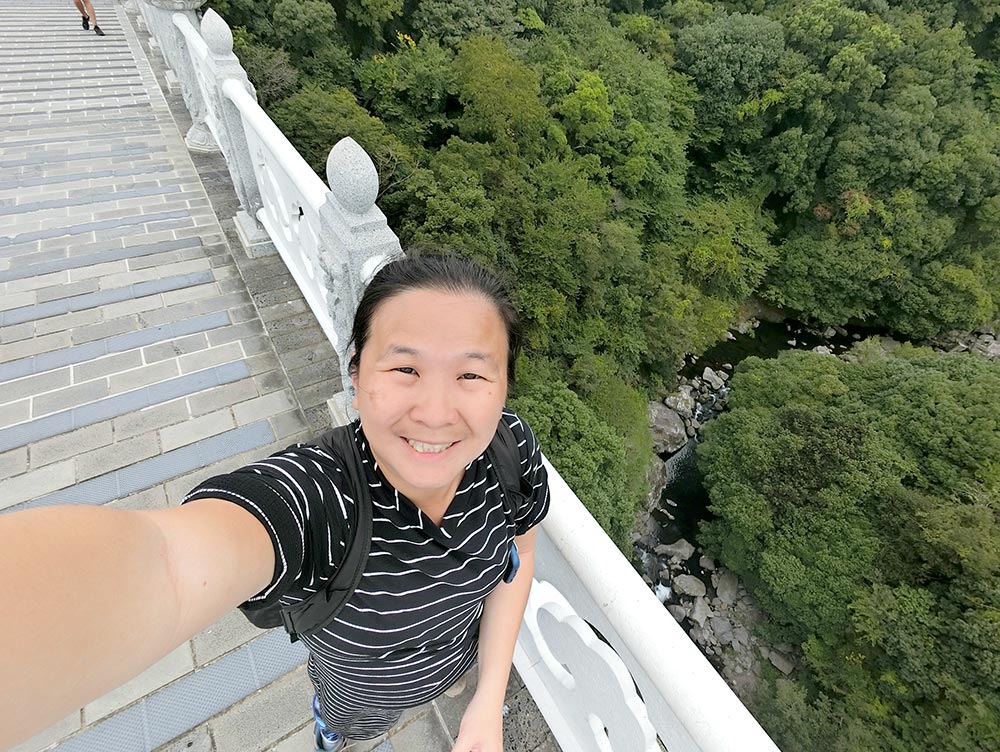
<point>86,23</point>
<point>97,30</point>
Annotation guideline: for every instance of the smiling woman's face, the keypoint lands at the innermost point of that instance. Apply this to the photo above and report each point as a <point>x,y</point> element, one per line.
<point>430,387</point>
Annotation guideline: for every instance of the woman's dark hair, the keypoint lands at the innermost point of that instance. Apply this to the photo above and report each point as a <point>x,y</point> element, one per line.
<point>447,273</point>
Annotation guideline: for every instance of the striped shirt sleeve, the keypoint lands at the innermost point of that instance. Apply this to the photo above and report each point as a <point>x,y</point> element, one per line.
<point>535,479</point>
<point>298,496</point>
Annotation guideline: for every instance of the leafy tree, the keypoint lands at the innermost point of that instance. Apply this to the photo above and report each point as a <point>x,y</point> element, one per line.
<point>589,455</point>
<point>315,119</point>
<point>303,26</point>
<point>269,69</point>
<point>861,502</point>
<point>453,21</point>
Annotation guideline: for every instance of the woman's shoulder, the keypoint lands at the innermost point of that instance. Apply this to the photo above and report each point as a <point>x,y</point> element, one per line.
<point>525,437</point>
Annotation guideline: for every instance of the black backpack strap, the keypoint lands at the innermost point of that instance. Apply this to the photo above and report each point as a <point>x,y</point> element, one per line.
<point>320,608</point>
<point>506,459</point>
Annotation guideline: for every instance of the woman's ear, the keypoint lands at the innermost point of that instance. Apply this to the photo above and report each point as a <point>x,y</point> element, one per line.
<point>353,370</point>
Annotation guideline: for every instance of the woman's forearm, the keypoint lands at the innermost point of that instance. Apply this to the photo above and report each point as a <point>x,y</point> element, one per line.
<point>502,615</point>
<point>77,617</point>
<point>91,597</point>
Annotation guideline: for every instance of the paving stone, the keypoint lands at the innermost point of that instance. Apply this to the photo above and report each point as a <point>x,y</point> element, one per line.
<point>198,740</point>
<point>222,396</point>
<point>197,429</point>
<point>107,365</point>
<point>17,332</point>
<point>51,735</point>
<point>66,290</point>
<point>61,399</point>
<point>105,329</point>
<point>300,741</point>
<point>318,394</point>
<point>213,356</point>
<point>40,280</point>
<point>291,425</point>
<point>36,483</point>
<point>306,356</point>
<point>128,307</point>
<point>15,412</point>
<point>425,733</point>
<point>151,419</point>
<point>264,717</point>
<point>151,498</point>
<point>313,374</point>
<point>255,345</point>
<point>262,362</point>
<point>16,300</point>
<point>175,347</point>
<point>176,663</point>
<point>67,321</point>
<point>28,347</point>
<point>263,407</point>
<point>228,633</point>
<point>151,374</point>
<point>116,455</point>
<point>270,381</point>
<point>33,385</point>
<point>236,332</point>
<point>70,444</point>
<point>13,462</point>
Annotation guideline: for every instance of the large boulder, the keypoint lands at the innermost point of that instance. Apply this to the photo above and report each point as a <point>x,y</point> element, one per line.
<point>726,587</point>
<point>713,379</point>
<point>669,433</point>
<point>682,401</point>
<point>700,612</point>
<point>688,584</point>
<point>680,550</point>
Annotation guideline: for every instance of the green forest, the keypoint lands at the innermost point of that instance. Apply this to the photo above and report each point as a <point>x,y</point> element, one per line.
<point>641,173</point>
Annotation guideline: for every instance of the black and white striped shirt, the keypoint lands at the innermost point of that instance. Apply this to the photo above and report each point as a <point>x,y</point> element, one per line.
<point>410,628</point>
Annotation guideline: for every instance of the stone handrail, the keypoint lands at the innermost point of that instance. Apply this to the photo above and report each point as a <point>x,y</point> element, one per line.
<point>607,665</point>
<point>331,238</point>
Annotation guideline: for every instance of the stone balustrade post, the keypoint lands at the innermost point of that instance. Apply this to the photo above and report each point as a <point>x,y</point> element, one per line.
<point>355,242</point>
<point>159,20</point>
<point>231,134</point>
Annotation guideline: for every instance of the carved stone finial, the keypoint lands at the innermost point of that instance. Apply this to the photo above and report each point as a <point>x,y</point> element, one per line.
<point>217,33</point>
<point>352,176</point>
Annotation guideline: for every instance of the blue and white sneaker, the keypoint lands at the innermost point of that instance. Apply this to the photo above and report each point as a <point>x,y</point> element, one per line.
<point>326,740</point>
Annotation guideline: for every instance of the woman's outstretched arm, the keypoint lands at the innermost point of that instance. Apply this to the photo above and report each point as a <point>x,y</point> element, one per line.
<point>90,597</point>
<point>481,729</point>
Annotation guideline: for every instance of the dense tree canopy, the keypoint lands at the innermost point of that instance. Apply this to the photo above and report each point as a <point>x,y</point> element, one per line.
<point>861,503</point>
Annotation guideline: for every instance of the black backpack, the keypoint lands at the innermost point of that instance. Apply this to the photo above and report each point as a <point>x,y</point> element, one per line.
<point>318,610</point>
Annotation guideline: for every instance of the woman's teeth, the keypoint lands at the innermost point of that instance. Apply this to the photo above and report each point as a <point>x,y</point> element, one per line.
<point>423,448</point>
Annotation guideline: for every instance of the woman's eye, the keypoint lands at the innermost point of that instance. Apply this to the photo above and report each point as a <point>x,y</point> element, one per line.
<point>470,376</point>
<point>405,369</point>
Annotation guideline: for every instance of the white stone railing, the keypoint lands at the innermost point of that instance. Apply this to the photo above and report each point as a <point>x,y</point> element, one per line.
<point>637,683</point>
<point>331,237</point>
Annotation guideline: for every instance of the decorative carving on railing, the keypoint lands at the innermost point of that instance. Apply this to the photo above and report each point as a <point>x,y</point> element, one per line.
<point>584,677</point>
<point>213,64</point>
<point>172,44</point>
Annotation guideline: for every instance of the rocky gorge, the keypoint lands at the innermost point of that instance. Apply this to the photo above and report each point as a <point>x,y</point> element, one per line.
<point>706,599</point>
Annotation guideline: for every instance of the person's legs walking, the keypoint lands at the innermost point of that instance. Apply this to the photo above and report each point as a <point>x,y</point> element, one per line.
<point>86,8</point>
<point>83,14</point>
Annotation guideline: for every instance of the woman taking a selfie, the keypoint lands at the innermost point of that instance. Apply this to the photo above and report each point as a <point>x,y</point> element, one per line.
<point>451,548</point>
